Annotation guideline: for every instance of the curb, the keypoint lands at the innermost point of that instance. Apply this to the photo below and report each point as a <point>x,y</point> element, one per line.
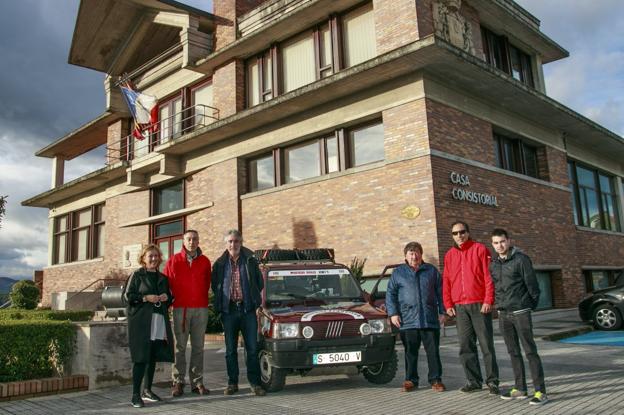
<point>562,334</point>
<point>24,389</point>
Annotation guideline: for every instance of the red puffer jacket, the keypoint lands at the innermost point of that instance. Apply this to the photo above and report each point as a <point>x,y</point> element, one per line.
<point>466,278</point>
<point>189,284</point>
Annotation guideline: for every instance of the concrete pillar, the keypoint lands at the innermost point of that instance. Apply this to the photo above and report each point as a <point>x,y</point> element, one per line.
<point>58,171</point>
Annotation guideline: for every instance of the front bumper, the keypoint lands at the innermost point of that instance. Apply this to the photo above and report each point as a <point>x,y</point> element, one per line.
<point>297,353</point>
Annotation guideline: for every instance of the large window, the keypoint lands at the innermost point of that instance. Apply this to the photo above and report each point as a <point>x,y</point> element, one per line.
<point>170,117</point>
<point>79,235</point>
<point>594,200</point>
<point>508,58</point>
<point>600,279</point>
<point>340,42</point>
<point>516,155</point>
<point>545,286</point>
<point>344,148</point>
<point>168,198</point>
<point>201,101</point>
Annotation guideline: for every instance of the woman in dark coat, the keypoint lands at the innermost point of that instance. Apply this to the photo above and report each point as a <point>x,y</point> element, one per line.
<point>149,330</point>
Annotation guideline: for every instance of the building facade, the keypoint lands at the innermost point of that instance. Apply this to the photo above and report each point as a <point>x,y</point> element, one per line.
<point>357,125</point>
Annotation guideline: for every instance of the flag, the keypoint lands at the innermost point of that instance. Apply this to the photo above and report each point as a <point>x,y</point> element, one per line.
<point>144,109</point>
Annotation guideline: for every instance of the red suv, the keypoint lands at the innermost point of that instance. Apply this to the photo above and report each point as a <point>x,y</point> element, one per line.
<point>314,316</point>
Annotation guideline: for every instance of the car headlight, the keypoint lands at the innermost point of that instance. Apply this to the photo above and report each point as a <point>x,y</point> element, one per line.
<point>285,330</point>
<point>379,326</point>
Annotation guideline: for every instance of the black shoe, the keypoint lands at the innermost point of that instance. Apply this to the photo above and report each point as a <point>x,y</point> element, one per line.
<point>137,402</point>
<point>150,396</point>
<point>470,387</point>
<point>493,389</point>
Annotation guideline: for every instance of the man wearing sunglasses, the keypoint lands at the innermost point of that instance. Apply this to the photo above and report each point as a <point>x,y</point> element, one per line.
<point>468,294</point>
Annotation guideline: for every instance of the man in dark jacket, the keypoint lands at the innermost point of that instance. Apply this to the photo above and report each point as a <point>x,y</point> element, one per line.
<point>517,293</point>
<point>237,285</point>
<point>469,294</point>
<point>414,304</point>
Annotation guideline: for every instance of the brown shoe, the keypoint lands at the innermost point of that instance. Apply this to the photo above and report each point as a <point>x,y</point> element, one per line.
<point>177,390</point>
<point>438,387</point>
<point>200,390</point>
<point>230,390</point>
<point>409,386</point>
<point>258,390</point>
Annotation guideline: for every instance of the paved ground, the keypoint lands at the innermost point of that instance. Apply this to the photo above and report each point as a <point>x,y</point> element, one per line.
<point>581,379</point>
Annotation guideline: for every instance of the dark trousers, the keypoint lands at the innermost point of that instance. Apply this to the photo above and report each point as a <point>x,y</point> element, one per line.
<point>235,321</point>
<point>430,338</point>
<point>472,325</point>
<point>516,329</point>
<point>144,371</point>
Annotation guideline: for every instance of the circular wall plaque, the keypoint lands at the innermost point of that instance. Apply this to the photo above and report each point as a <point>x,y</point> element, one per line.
<point>410,212</point>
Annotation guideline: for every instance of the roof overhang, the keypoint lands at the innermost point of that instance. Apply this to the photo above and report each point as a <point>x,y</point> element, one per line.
<point>105,28</point>
<point>83,139</point>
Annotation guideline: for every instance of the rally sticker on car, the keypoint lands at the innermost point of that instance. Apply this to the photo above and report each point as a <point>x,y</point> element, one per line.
<point>311,314</point>
<point>292,272</point>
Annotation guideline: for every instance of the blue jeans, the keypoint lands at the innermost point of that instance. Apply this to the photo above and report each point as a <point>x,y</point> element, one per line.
<point>234,321</point>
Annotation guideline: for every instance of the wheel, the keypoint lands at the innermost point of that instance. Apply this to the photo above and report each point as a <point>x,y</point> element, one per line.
<point>607,317</point>
<point>383,372</point>
<point>272,378</point>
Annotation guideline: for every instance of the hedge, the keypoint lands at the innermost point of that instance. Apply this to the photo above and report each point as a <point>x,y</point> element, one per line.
<point>58,315</point>
<point>34,349</point>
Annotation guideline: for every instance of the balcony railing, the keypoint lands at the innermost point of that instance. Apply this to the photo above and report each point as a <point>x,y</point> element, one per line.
<point>131,148</point>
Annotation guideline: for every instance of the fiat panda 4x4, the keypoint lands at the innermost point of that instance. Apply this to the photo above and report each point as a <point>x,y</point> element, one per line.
<point>314,319</point>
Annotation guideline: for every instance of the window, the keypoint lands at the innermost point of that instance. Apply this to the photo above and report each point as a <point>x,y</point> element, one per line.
<point>201,101</point>
<point>600,279</point>
<point>169,238</point>
<point>544,282</point>
<point>168,198</point>
<point>170,117</point>
<point>331,153</point>
<point>595,201</point>
<point>508,58</point>
<point>516,155</point>
<point>79,235</point>
<point>358,36</point>
<point>312,55</point>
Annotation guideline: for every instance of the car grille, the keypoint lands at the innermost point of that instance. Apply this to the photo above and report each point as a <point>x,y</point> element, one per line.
<point>334,329</point>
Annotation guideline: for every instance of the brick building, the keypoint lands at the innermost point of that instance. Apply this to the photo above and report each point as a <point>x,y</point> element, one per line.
<point>358,125</point>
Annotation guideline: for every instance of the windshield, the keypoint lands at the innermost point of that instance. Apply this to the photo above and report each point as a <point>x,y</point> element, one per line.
<point>324,284</point>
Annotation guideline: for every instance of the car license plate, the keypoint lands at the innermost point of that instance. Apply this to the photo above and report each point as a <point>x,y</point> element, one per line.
<point>335,358</point>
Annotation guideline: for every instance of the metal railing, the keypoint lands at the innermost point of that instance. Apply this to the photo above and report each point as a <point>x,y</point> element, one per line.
<point>131,148</point>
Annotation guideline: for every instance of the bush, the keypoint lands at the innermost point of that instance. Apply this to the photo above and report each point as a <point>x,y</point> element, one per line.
<point>214,322</point>
<point>24,294</point>
<point>38,315</point>
<point>34,349</point>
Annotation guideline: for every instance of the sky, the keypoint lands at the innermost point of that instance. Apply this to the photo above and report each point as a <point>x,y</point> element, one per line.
<point>42,98</point>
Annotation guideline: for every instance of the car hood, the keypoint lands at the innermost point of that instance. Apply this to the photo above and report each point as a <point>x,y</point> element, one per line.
<point>610,290</point>
<point>337,311</point>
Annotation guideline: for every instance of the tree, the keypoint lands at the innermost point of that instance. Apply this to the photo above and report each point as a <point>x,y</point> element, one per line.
<point>3,201</point>
<point>357,268</point>
<point>24,294</point>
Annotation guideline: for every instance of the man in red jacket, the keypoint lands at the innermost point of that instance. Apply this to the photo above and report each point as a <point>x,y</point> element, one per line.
<point>189,279</point>
<point>468,294</point>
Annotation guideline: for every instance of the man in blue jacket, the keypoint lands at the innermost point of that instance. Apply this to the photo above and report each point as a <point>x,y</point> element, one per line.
<point>414,304</point>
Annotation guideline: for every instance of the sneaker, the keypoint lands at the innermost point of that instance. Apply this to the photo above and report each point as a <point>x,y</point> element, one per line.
<point>177,390</point>
<point>470,387</point>
<point>150,396</point>
<point>408,386</point>
<point>200,390</point>
<point>137,402</point>
<point>538,399</point>
<point>258,390</point>
<point>438,387</point>
<point>514,393</point>
<point>493,389</point>
<point>230,390</point>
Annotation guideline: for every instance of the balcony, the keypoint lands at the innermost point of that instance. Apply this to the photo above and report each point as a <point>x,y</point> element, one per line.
<point>132,148</point>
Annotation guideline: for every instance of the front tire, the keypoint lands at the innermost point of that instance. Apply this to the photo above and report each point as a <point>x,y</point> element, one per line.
<point>607,317</point>
<point>272,378</point>
<point>382,373</point>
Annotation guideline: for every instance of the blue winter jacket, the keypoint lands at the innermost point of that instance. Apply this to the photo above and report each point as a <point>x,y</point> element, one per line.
<point>415,296</point>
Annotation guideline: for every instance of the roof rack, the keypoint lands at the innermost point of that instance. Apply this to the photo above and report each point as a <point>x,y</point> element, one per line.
<point>295,255</point>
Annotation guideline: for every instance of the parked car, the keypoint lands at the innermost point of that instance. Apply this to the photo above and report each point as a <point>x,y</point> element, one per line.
<point>605,307</point>
<point>314,318</point>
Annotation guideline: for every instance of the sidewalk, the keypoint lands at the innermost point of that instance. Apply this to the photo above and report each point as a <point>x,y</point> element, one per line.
<point>580,380</point>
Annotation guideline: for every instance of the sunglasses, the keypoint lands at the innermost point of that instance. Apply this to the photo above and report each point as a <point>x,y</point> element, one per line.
<point>462,232</point>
